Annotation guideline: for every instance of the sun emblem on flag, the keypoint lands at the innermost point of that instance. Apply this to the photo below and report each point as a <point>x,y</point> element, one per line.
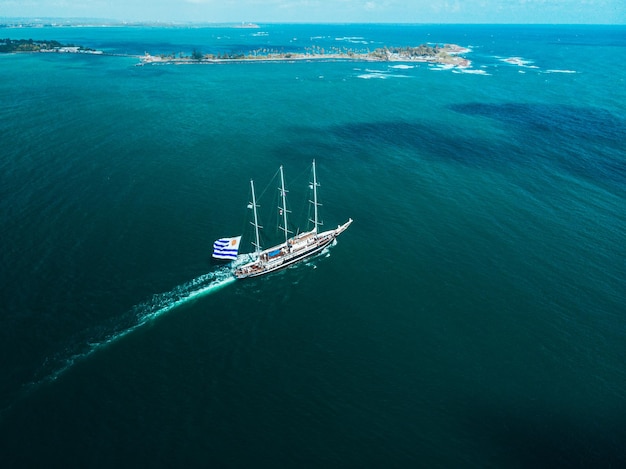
<point>233,242</point>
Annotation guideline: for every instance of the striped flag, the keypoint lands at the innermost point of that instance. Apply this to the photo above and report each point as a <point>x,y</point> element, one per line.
<point>226,248</point>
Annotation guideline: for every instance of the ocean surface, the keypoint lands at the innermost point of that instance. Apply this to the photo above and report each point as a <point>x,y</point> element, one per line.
<point>474,314</point>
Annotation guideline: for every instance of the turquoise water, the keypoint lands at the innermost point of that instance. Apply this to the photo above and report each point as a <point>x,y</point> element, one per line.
<point>473,314</point>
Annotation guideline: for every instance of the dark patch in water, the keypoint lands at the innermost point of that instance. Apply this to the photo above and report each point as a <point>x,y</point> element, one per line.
<point>571,121</point>
<point>414,135</point>
<point>586,141</point>
<point>364,141</point>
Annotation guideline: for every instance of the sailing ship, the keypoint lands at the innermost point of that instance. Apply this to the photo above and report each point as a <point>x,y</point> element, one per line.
<point>294,249</point>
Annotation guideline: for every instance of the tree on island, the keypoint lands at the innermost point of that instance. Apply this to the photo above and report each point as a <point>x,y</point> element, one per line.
<point>196,55</point>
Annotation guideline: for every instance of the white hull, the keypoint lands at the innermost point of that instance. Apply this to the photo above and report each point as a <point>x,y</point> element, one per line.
<point>296,249</point>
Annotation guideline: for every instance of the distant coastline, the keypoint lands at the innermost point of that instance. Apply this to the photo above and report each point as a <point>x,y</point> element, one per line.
<point>8,46</point>
<point>19,23</point>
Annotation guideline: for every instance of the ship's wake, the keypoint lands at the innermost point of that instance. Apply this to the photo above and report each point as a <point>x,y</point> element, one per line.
<point>135,318</point>
<point>87,343</point>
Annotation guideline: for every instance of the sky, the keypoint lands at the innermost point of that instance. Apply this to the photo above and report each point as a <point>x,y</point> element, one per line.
<point>326,11</point>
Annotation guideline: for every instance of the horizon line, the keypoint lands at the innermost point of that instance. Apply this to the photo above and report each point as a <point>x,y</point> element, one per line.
<point>113,21</point>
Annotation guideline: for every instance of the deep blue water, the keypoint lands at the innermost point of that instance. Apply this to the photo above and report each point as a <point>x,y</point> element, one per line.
<point>473,314</point>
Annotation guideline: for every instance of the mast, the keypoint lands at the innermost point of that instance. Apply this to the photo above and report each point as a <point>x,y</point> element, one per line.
<point>257,245</point>
<point>314,201</point>
<point>283,209</point>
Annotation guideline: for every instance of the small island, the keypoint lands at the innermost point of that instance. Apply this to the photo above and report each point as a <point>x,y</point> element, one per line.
<point>446,54</point>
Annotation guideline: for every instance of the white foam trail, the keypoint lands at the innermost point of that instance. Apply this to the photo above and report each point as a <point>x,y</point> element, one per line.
<point>380,74</point>
<point>352,39</point>
<point>157,306</point>
<point>561,71</point>
<point>439,67</point>
<point>150,310</point>
<point>369,76</point>
<point>519,61</point>
<point>473,71</point>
